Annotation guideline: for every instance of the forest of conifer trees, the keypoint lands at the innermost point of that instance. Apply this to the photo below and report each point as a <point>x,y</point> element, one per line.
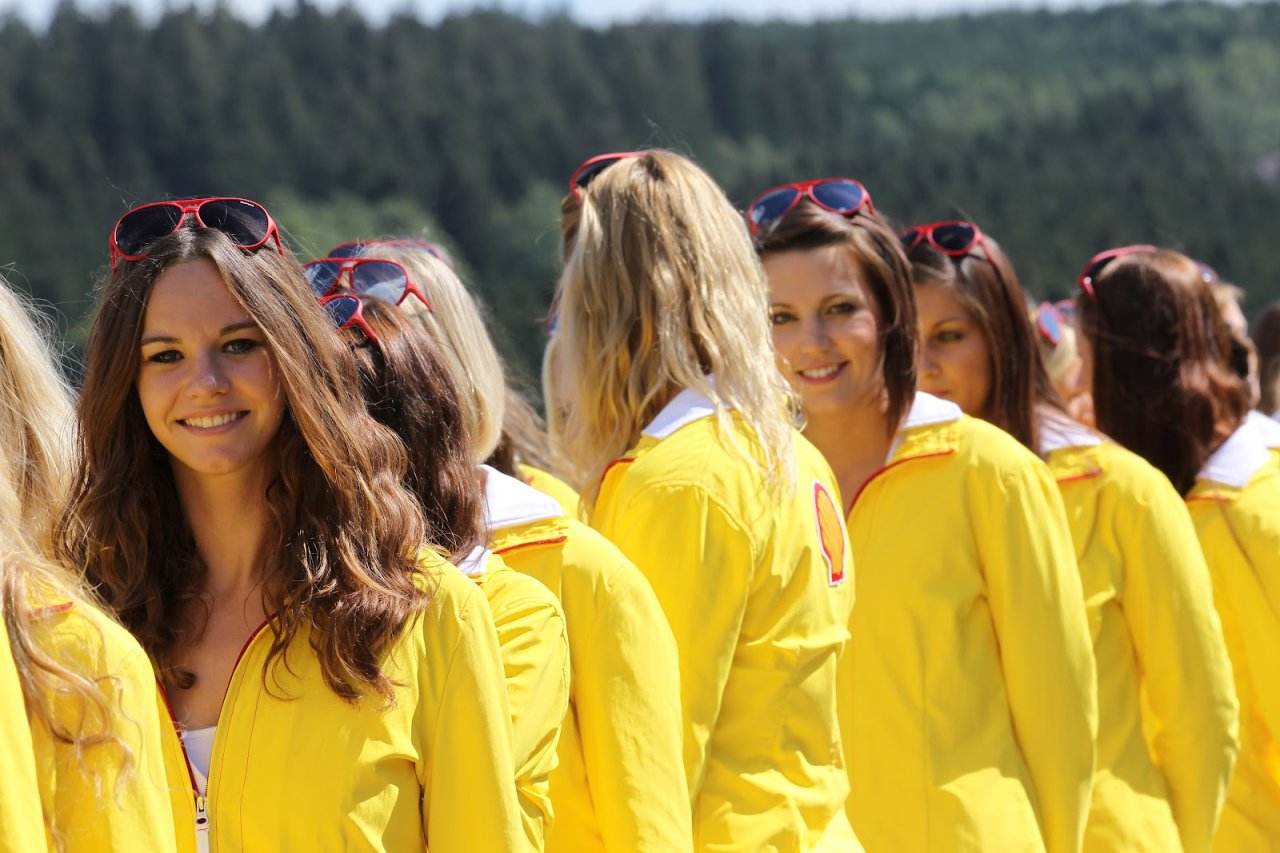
<point>1060,133</point>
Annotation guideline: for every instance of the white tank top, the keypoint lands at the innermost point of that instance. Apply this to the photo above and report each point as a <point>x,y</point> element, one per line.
<point>198,744</point>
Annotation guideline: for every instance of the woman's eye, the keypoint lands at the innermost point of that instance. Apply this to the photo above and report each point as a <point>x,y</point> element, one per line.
<point>950,337</point>
<point>240,346</point>
<point>777,318</point>
<point>168,356</point>
<point>842,308</point>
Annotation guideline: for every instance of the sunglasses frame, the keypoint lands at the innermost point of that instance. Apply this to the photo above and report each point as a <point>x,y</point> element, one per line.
<point>1089,274</point>
<point>926,231</point>
<point>357,317</point>
<point>347,268</point>
<point>430,248</point>
<point>585,174</point>
<point>804,189</point>
<point>190,207</point>
<point>1048,309</point>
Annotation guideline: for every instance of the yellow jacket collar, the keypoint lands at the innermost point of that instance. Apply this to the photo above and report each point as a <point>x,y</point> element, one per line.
<point>685,408</point>
<point>509,502</point>
<point>1238,458</point>
<point>912,441</point>
<point>1267,428</point>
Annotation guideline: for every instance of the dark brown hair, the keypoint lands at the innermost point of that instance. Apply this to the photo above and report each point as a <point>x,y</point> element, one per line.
<point>1161,386</point>
<point>874,247</point>
<point>986,283</point>
<point>409,389</point>
<point>1266,337</point>
<point>344,545</point>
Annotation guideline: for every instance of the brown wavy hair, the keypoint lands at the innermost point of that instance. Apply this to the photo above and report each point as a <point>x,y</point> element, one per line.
<point>988,287</point>
<point>1161,385</point>
<point>875,250</point>
<point>409,389</point>
<point>345,533</point>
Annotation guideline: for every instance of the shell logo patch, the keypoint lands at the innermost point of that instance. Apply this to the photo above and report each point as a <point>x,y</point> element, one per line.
<point>830,533</point>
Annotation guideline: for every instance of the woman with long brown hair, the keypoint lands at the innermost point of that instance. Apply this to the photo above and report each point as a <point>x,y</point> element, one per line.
<point>967,699</point>
<point>1162,665</point>
<point>334,683</point>
<point>1157,353</point>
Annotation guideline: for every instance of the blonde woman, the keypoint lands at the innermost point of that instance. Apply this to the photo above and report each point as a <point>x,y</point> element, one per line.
<point>89,691</point>
<point>618,783</point>
<point>677,421</point>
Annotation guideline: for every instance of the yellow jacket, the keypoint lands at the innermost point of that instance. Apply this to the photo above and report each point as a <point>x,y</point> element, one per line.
<point>969,699</point>
<point>296,768</point>
<point>1235,504</point>
<point>620,785</point>
<point>1150,606</point>
<point>535,659</point>
<point>754,590</point>
<point>21,827</point>
<point>551,485</point>
<point>90,810</point>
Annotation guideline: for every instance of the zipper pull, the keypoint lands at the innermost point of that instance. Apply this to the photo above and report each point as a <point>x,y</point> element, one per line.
<point>202,824</point>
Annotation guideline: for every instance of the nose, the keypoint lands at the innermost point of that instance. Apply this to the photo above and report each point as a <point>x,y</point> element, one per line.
<point>814,336</point>
<point>209,376</point>
<point>928,365</point>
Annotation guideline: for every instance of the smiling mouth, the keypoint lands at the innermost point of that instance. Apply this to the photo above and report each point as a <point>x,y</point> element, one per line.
<point>817,374</point>
<point>212,421</point>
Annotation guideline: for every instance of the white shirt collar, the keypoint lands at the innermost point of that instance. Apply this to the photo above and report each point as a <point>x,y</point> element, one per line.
<point>1238,458</point>
<point>1268,429</point>
<point>926,410</point>
<point>473,565</point>
<point>509,502</point>
<point>1060,433</point>
<point>685,408</point>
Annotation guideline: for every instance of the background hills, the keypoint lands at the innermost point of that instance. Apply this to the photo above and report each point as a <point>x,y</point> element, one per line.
<point>1059,133</point>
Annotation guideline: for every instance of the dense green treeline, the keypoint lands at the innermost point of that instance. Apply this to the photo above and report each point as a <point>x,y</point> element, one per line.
<point>1060,133</point>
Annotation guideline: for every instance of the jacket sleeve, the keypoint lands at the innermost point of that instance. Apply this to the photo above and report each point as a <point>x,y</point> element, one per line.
<point>21,824</point>
<point>630,719</point>
<point>1037,607</point>
<point>535,658</point>
<point>700,564</point>
<point>1168,602</point>
<point>469,797</point>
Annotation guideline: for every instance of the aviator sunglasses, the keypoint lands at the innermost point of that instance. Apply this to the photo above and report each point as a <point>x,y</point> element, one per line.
<point>346,311</point>
<point>351,248</point>
<point>1099,262</point>
<point>591,169</point>
<point>844,196</point>
<point>383,279</point>
<point>1049,323</point>
<point>955,238</point>
<point>246,222</point>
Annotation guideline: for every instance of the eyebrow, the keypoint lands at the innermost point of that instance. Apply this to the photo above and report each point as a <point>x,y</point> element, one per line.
<point>225,330</point>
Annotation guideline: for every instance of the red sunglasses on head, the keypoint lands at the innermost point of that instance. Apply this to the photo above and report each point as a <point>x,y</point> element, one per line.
<point>844,196</point>
<point>591,169</point>
<point>351,248</point>
<point>347,310</point>
<point>955,238</point>
<point>1099,262</point>
<point>246,222</point>
<point>378,277</point>
<point>1049,323</point>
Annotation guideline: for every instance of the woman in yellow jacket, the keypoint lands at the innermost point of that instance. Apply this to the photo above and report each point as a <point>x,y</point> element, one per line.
<point>678,423</point>
<point>1157,353</point>
<point>619,784</point>
<point>81,735</point>
<point>968,697</point>
<point>1162,662</point>
<point>333,688</point>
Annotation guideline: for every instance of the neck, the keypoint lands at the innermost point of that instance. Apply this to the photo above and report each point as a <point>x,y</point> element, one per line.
<point>230,522</point>
<point>855,442</point>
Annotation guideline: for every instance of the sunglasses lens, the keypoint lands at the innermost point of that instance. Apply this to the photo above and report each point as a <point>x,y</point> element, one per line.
<point>909,238</point>
<point>341,309</point>
<point>322,275</point>
<point>345,250</point>
<point>246,223</point>
<point>140,228</point>
<point>1050,327</point>
<point>772,206</point>
<point>381,279</point>
<point>955,237</point>
<point>839,196</point>
<point>587,174</point>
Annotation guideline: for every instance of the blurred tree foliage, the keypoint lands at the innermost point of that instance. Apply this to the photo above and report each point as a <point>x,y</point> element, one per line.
<point>1061,133</point>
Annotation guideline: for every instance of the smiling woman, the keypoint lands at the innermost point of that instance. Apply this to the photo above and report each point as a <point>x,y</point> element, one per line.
<point>243,515</point>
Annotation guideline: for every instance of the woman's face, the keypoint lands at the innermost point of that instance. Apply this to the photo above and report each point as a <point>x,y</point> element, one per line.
<point>207,380</point>
<point>826,329</point>
<point>955,358</point>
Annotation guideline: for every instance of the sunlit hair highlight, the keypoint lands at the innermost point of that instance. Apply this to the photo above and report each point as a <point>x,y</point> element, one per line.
<point>342,554</point>
<point>1161,385</point>
<point>662,291</point>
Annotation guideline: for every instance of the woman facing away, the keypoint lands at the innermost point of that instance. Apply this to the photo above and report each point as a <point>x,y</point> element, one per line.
<point>967,700</point>
<point>618,784</point>
<point>80,730</point>
<point>1157,350</point>
<point>408,388</point>
<point>1163,669</point>
<point>334,684</point>
<point>679,424</point>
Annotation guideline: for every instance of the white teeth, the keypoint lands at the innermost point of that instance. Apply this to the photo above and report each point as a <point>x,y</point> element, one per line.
<point>821,372</point>
<point>213,420</point>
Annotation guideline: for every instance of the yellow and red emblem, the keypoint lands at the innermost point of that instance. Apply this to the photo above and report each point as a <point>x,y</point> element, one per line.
<point>830,533</point>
